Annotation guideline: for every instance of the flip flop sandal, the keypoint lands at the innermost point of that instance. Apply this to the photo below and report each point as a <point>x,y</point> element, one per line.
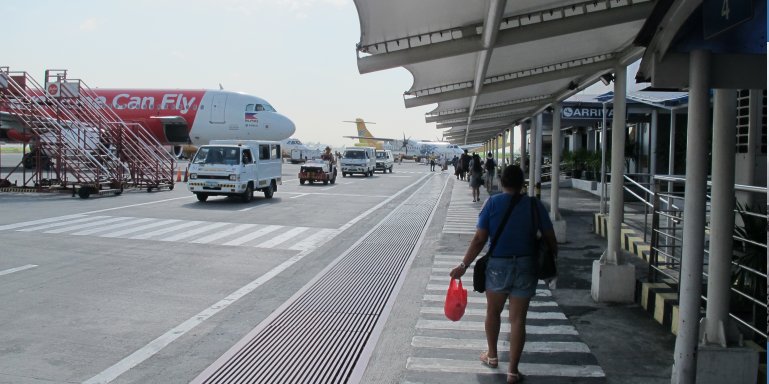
<point>492,362</point>
<point>513,378</point>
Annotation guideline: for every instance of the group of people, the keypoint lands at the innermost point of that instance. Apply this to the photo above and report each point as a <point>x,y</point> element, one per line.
<point>472,168</point>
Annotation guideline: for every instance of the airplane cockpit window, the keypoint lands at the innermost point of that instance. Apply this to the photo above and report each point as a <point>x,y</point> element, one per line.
<point>268,107</point>
<point>249,108</point>
<point>259,107</point>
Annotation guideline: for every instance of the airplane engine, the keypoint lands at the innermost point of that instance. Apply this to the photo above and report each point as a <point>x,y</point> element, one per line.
<point>178,151</point>
<point>183,151</point>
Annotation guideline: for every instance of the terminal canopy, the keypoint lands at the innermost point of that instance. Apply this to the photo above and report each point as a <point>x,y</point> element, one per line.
<point>490,64</point>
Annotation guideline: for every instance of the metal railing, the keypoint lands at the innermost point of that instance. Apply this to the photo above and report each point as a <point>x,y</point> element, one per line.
<point>748,288</point>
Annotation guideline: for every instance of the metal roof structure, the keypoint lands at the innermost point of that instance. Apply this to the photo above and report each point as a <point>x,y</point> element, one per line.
<point>490,64</point>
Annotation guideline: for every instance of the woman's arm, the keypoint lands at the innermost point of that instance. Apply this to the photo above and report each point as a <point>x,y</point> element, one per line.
<point>475,247</point>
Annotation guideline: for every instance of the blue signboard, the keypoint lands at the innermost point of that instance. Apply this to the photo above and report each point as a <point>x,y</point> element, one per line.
<point>579,112</point>
<point>721,15</point>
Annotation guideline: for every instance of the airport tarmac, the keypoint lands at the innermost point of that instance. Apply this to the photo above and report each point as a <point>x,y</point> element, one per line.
<point>158,287</point>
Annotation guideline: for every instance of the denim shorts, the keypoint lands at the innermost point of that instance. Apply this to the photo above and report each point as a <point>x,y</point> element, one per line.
<point>515,276</point>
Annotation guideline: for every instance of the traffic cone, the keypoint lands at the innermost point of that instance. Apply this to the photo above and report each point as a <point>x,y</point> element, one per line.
<point>178,175</point>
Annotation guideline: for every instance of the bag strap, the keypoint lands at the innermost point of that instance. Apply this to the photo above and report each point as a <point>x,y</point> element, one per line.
<point>535,223</point>
<point>513,202</point>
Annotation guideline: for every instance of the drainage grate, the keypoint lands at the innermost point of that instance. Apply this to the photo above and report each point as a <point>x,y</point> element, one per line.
<point>319,336</point>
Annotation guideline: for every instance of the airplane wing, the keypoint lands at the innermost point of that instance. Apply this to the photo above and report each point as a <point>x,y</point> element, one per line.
<point>370,138</point>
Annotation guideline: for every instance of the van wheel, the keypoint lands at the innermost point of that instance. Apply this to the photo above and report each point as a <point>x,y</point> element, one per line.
<point>202,197</point>
<point>365,174</point>
<point>301,181</point>
<point>391,169</point>
<point>333,179</point>
<point>325,182</point>
<point>248,195</point>
<point>269,191</point>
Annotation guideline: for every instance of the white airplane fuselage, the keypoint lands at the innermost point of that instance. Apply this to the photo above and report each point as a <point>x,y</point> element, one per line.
<point>180,117</point>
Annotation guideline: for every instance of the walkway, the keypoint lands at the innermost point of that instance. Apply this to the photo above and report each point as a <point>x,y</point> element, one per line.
<point>570,338</point>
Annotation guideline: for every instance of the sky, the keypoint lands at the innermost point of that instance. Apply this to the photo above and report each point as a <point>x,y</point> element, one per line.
<point>299,55</point>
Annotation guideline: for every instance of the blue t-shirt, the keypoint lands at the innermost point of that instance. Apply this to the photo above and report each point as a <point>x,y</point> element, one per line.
<point>516,240</point>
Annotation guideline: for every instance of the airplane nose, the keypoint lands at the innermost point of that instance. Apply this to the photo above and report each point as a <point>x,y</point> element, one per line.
<point>287,127</point>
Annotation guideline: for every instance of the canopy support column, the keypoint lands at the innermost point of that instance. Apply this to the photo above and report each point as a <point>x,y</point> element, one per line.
<point>613,279</point>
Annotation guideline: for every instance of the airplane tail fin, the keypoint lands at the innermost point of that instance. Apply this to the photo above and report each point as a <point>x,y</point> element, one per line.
<point>363,132</point>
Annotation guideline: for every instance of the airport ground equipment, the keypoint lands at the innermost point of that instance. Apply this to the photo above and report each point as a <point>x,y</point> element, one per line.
<point>236,168</point>
<point>358,160</point>
<point>317,170</point>
<point>384,160</point>
<point>77,143</point>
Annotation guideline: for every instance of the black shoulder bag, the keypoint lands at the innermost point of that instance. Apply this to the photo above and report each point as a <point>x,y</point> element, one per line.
<point>479,272</point>
<point>546,268</point>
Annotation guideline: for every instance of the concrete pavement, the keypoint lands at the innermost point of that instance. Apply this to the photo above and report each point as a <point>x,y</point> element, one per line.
<point>570,337</point>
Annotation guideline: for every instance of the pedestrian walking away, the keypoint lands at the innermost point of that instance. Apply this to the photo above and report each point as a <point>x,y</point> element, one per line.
<point>490,166</point>
<point>511,273</point>
<point>432,164</point>
<point>476,177</point>
<point>464,164</point>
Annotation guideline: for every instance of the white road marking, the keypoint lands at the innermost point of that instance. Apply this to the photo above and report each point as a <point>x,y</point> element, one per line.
<point>202,229</point>
<point>479,344</point>
<point>473,298</point>
<point>334,194</point>
<point>482,312</point>
<point>504,327</point>
<point>436,287</point>
<point>41,221</point>
<point>315,240</point>
<point>61,223</point>
<point>254,235</point>
<point>95,222</point>
<point>162,341</point>
<point>163,231</point>
<point>216,236</point>
<point>281,238</point>
<point>138,205</point>
<point>300,195</point>
<point>140,228</point>
<point>17,269</point>
<point>121,224</point>
<point>472,366</point>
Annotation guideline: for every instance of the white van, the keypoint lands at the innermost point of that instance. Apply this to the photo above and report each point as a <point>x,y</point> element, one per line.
<point>235,168</point>
<point>384,160</point>
<point>358,160</point>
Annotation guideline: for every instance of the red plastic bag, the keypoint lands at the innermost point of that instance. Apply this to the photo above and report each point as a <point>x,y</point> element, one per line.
<point>456,300</point>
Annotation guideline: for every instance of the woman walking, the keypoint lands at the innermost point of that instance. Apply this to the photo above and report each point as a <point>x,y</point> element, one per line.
<point>511,271</point>
<point>476,176</point>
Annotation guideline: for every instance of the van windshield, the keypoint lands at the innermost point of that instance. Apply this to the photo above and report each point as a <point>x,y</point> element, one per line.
<point>381,155</point>
<point>217,155</point>
<point>355,155</point>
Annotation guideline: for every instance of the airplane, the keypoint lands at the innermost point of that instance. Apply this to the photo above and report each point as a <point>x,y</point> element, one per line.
<point>184,118</point>
<point>288,145</point>
<point>416,149</point>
